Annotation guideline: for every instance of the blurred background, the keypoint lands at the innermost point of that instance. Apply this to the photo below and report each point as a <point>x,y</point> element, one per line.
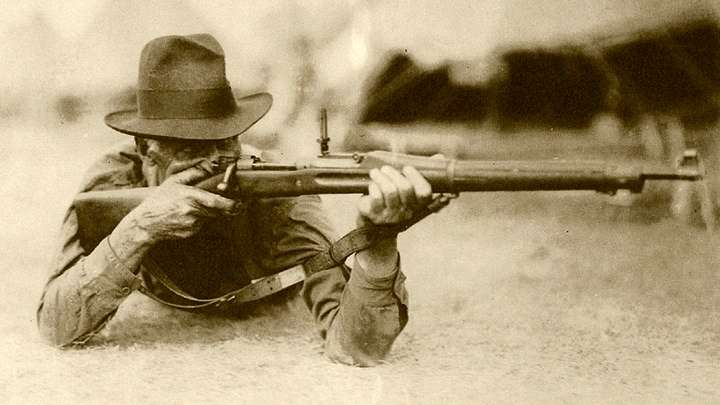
<point>554,64</point>
<point>480,79</point>
<point>558,290</point>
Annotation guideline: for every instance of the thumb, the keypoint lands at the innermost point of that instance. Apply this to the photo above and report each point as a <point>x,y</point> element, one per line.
<point>189,176</point>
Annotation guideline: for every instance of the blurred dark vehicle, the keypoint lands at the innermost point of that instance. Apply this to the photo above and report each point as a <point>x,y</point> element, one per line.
<point>609,95</point>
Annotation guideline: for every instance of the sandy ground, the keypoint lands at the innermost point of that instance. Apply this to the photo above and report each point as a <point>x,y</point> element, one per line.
<point>530,297</point>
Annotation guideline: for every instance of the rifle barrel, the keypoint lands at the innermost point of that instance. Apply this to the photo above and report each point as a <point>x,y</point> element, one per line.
<point>451,176</point>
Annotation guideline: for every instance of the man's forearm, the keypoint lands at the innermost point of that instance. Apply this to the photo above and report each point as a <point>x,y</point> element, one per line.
<point>78,299</point>
<point>379,260</point>
<point>372,313</point>
<point>130,242</point>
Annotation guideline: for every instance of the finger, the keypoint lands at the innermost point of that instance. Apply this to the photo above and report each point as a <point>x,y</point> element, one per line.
<point>371,206</point>
<point>364,206</point>
<point>200,211</point>
<point>423,190</point>
<point>375,198</point>
<point>212,201</point>
<point>206,166</point>
<point>405,189</point>
<point>438,156</point>
<point>387,188</point>
<point>188,176</point>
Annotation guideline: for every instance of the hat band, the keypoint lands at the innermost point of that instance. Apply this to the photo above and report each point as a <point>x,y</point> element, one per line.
<point>188,104</point>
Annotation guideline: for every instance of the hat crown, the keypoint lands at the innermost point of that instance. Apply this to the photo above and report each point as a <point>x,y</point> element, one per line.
<point>182,63</point>
<point>183,93</point>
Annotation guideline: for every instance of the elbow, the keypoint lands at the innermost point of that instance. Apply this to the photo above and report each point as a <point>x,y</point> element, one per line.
<point>51,330</point>
<point>356,353</point>
<point>362,343</point>
<point>356,359</point>
<point>55,329</point>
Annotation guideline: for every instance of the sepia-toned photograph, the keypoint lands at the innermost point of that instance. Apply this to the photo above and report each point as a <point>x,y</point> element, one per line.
<point>360,202</point>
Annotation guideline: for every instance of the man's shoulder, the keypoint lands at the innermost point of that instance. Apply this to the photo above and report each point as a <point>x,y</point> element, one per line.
<point>119,167</point>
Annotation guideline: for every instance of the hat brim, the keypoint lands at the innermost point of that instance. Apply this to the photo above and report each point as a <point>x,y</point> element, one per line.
<point>249,110</point>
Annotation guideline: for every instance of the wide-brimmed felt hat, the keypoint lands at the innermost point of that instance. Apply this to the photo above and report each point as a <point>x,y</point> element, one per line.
<point>183,93</point>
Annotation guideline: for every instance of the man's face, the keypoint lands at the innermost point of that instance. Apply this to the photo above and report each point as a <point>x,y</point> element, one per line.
<point>162,159</point>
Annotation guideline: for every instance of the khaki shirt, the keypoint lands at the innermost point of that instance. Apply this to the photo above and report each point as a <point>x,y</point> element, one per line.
<point>358,316</point>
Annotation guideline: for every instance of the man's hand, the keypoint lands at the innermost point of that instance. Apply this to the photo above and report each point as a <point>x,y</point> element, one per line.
<point>174,210</point>
<point>393,197</point>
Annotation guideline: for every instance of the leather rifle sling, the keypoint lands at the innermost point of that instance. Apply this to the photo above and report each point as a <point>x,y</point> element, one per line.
<point>336,254</point>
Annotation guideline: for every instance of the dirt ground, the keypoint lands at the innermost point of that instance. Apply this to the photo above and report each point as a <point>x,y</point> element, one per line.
<point>515,298</point>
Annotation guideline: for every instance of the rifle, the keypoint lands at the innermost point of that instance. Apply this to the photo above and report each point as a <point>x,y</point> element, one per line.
<point>348,173</point>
